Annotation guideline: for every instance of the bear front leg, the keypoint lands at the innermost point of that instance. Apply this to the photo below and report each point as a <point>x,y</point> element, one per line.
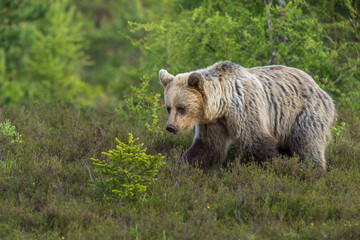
<point>263,148</point>
<point>209,147</point>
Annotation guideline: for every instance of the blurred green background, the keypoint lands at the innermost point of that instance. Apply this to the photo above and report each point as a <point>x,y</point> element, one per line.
<point>90,52</point>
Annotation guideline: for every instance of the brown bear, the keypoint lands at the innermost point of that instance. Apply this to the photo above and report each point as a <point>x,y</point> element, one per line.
<point>263,110</point>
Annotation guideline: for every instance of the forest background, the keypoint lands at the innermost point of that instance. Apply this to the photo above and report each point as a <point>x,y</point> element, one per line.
<point>76,74</point>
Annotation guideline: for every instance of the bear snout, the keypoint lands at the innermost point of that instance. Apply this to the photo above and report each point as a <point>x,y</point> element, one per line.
<point>171,128</point>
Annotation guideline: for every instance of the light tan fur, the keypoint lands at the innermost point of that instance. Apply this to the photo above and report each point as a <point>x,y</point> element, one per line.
<point>263,110</point>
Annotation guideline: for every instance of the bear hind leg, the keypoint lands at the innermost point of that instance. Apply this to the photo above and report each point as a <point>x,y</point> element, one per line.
<point>309,137</point>
<point>310,150</point>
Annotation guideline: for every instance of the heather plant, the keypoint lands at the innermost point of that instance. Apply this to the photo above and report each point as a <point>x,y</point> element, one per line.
<point>128,173</point>
<point>142,107</point>
<point>46,193</point>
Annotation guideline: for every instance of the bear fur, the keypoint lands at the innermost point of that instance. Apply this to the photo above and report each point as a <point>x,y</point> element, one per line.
<point>263,110</point>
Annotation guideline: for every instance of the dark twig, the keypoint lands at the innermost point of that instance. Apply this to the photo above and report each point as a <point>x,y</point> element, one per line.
<point>220,9</point>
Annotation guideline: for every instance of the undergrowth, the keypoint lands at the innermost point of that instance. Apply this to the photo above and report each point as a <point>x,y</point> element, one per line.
<point>47,194</point>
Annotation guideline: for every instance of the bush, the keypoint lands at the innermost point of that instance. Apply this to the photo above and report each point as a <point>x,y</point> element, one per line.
<point>9,132</point>
<point>142,107</point>
<point>128,173</point>
<point>7,161</point>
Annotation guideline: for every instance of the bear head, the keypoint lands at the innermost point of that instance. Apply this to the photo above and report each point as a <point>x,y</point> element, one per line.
<point>185,99</point>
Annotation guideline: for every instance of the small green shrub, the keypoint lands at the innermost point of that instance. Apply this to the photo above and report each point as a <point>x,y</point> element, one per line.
<point>9,132</point>
<point>128,173</point>
<point>338,129</point>
<point>142,107</point>
<point>7,161</point>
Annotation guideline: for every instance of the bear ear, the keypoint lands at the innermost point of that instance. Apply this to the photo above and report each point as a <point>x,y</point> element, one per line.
<point>165,77</point>
<point>196,81</point>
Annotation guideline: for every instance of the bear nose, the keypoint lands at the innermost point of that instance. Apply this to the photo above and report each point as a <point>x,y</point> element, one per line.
<point>171,128</point>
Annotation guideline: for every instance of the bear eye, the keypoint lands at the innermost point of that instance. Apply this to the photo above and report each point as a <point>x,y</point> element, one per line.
<point>181,110</point>
<point>168,109</point>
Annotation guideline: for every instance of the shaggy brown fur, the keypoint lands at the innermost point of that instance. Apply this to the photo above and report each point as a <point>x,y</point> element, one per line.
<point>263,110</point>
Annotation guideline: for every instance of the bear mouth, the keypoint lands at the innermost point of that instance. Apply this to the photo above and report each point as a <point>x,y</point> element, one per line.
<point>175,132</point>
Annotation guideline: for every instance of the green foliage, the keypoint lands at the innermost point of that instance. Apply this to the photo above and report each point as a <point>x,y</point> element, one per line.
<point>293,33</point>
<point>338,129</point>
<point>142,107</point>
<point>291,48</point>
<point>10,133</point>
<point>129,172</point>
<point>114,60</point>
<point>7,161</point>
<point>41,52</point>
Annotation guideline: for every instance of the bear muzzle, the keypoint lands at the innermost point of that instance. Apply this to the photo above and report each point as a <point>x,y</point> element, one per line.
<point>171,128</point>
